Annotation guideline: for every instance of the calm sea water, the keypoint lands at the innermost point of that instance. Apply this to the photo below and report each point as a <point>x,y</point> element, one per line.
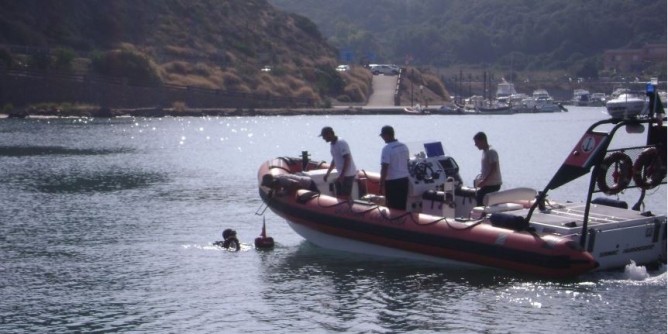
<point>107,226</point>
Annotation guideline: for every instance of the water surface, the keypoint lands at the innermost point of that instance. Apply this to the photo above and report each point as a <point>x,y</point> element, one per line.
<point>107,225</point>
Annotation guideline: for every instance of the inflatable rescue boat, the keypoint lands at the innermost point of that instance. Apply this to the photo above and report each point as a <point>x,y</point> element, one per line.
<point>516,229</point>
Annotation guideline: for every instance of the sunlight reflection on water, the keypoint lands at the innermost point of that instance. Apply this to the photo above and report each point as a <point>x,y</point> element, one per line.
<point>114,232</point>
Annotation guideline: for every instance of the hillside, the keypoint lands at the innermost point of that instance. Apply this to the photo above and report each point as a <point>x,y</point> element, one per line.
<point>205,43</point>
<point>522,34</point>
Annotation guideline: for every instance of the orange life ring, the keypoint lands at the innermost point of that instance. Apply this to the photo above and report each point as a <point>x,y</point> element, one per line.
<point>621,175</point>
<point>648,170</point>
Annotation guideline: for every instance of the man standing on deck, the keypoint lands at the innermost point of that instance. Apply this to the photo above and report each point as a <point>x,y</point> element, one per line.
<point>489,179</point>
<point>394,170</point>
<point>342,159</point>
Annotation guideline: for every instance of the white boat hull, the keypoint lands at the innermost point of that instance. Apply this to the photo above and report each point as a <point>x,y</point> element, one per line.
<point>625,107</point>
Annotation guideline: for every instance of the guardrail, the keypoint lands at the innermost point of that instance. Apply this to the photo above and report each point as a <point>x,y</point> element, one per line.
<point>397,89</point>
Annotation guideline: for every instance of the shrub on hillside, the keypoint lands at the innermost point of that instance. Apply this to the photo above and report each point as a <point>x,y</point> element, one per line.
<point>185,68</point>
<point>356,93</point>
<point>282,89</point>
<point>202,69</point>
<point>263,91</point>
<point>358,83</point>
<point>177,67</point>
<point>343,98</point>
<point>231,80</point>
<point>179,106</point>
<point>360,73</point>
<point>306,26</point>
<point>433,83</point>
<point>7,108</point>
<point>63,58</point>
<point>306,92</point>
<point>328,81</point>
<point>294,83</point>
<point>39,61</point>
<point>132,65</point>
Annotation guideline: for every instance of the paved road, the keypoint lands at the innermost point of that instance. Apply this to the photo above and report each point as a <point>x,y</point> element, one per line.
<point>383,91</point>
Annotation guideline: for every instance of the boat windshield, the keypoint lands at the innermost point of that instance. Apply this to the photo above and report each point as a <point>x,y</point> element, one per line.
<point>429,147</point>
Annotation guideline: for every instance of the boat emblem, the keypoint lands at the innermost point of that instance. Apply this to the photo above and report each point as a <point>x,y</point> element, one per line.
<point>588,144</point>
<point>585,150</point>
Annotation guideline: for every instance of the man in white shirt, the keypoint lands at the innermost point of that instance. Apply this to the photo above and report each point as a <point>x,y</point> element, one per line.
<point>489,179</point>
<point>394,170</point>
<point>342,160</point>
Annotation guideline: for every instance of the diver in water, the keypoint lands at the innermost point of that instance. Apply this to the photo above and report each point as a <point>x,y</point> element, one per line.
<point>229,240</point>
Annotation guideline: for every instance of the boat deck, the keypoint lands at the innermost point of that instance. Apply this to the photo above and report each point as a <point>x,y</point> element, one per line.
<point>567,219</point>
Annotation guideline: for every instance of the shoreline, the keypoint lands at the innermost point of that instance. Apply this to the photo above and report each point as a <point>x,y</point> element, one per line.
<point>200,112</point>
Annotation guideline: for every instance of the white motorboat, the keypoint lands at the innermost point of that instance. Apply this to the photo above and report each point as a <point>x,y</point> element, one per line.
<point>542,105</point>
<point>581,97</point>
<point>449,109</point>
<point>543,102</point>
<point>539,101</point>
<point>541,94</point>
<point>626,105</point>
<point>598,99</point>
<point>505,89</point>
<point>417,110</point>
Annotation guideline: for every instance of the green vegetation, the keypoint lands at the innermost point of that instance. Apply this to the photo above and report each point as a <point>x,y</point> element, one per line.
<point>229,44</point>
<point>216,44</point>
<point>524,35</point>
<point>63,58</point>
<point>134,66</point>
<point>7,108</point>
<point>40,61</point>
<point>358,85</point>
<point>328,81</point>
<point>60,109</point>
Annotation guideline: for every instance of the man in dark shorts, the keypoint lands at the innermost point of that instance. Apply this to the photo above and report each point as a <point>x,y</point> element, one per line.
<point>342,160</point>
<point>394,170</point>
<point>489,179</point>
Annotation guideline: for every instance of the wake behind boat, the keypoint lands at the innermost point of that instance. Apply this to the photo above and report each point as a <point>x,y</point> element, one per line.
<point>517,229</point>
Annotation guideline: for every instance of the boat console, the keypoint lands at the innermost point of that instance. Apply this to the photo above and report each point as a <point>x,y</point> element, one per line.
<point>425,174</point>
<point>430,173</point>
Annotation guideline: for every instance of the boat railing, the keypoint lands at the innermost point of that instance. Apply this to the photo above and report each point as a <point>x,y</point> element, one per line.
<point>613,170</point>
